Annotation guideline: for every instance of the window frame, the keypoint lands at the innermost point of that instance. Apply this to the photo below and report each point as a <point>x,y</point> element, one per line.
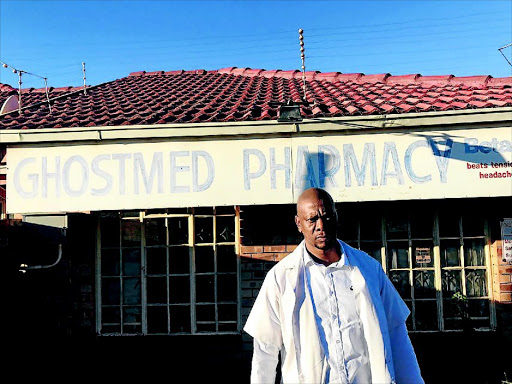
<point>191,214</point>
<point>368,209</point>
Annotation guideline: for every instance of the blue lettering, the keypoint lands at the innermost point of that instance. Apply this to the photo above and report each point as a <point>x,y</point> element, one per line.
<point>408,162</point>
<point>210,167</point>
<point>390,150</point>
<point>360,172</point>
<point>328,173</point>
<point>261,168</point>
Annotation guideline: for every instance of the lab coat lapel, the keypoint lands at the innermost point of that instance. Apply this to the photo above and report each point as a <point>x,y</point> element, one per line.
<point>309,353</point>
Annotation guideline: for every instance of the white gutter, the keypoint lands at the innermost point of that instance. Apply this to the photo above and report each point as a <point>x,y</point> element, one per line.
<point>445,119</point>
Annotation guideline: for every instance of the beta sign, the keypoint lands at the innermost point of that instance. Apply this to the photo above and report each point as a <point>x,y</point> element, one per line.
<point>377,166</point>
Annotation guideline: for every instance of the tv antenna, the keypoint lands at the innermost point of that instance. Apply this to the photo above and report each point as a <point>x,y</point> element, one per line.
<point>303,58</point>
<point>20,73</point>
<point>83,70</point>
<point>501,51</point>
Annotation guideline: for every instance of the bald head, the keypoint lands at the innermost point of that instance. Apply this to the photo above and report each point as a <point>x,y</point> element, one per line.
<point>314,194</point>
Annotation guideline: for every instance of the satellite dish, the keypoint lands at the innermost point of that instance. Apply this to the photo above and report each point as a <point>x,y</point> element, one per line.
<point>11,104</point>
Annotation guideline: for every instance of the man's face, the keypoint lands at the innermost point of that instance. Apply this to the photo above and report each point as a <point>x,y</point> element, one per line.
<point>317,220</point>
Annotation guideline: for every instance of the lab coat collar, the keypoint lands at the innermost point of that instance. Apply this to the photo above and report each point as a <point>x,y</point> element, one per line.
<point>343,262</point>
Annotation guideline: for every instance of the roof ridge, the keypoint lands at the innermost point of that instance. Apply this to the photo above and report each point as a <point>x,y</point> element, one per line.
<point>360,78</point>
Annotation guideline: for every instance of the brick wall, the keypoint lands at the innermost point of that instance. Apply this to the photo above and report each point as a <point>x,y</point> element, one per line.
<point>502,290</point>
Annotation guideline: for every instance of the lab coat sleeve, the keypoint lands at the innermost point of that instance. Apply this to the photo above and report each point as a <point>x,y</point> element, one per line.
<point>395,308</point>
<point>264,363</point>
<point>407,370</point>
<point>405,364</point>
<point>264,323</point>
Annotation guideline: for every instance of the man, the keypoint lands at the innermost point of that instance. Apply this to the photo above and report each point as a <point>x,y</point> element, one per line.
<point>330,311</point>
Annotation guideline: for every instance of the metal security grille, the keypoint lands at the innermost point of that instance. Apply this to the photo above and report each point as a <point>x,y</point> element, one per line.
<point>437,258</point>
<point>173,271</point>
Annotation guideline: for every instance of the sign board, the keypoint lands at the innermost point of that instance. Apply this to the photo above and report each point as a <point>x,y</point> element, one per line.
<point>423,256</point>
<point>506,238</point>
<point>357,167</point>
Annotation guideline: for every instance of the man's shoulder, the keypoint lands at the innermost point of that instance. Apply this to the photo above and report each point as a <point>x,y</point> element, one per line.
<point>359,257</point>
<point>290,260</point>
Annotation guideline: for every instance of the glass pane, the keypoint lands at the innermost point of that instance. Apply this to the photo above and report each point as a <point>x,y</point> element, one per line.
<point>131,291</point>
<point>450,253</point>
<point>131,262</point>
<point>204,229</point>
<point>225,229</point>
<point>110,328</point>
<point>226,258</point>
<point>111,314</point>
<point>203,210</point>
<point>132,314</point>
<point>397,226</point>
<point>423,253</point>
<point>156,211</point>
<point>229,209</point>
<point>478,308</point>
<point>227,287</point>
<point>227,312</point>
<point>156,233</point>
<point>227,327</point>
<point>452,314</point>
<point>110,262</point>
<point>424,284</point>
<point>131,214</point>
<point>130,230</point>
<point>474,252</point>
<point>425,315</point>
<point>401,282</point>
<point>205,312</point>
<point>157,319</point>
<point>205,288</point>
<point>180,319</point>
<point>476,283</point>
<point>156,261</point>
<point>473,225</point>
<point>179,289</point>
<point>448,224</point>
<point>421,225</point>
<point>178,230</point>
<point>110,291</point>
<point>179,260</point>
<point>452,283</point>
<point>110,232</point>
<point>398,254</point>
<point>371,228</point>
<point>205,261</point>
<point>156,290</point>
<point>206,327</point>
<point>409,321</point>
<point>347,224</point>
<point>373,249</point>
<point>178,211</point>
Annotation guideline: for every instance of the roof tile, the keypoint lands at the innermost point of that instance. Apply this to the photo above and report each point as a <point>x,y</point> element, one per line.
<point>242,94</point>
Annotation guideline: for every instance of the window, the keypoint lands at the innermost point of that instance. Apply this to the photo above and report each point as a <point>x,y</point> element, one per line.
<point>169,271</point>
<point>435,253</point>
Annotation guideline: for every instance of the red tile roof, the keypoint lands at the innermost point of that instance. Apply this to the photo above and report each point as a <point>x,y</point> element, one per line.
<point>245,94</point>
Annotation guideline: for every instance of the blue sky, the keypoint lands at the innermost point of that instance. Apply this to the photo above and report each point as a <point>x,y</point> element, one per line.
<point>114,38</point>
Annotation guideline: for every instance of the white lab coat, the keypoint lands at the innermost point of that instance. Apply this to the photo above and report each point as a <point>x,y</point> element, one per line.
<point>283,316</point>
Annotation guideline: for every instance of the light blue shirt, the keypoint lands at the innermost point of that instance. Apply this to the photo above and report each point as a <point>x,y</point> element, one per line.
<point>339,327</point>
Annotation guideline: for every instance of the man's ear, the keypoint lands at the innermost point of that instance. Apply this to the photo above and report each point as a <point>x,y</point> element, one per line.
<point>297,223</point>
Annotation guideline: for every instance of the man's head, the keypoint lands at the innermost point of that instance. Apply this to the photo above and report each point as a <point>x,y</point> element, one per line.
<point>317,219</point>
